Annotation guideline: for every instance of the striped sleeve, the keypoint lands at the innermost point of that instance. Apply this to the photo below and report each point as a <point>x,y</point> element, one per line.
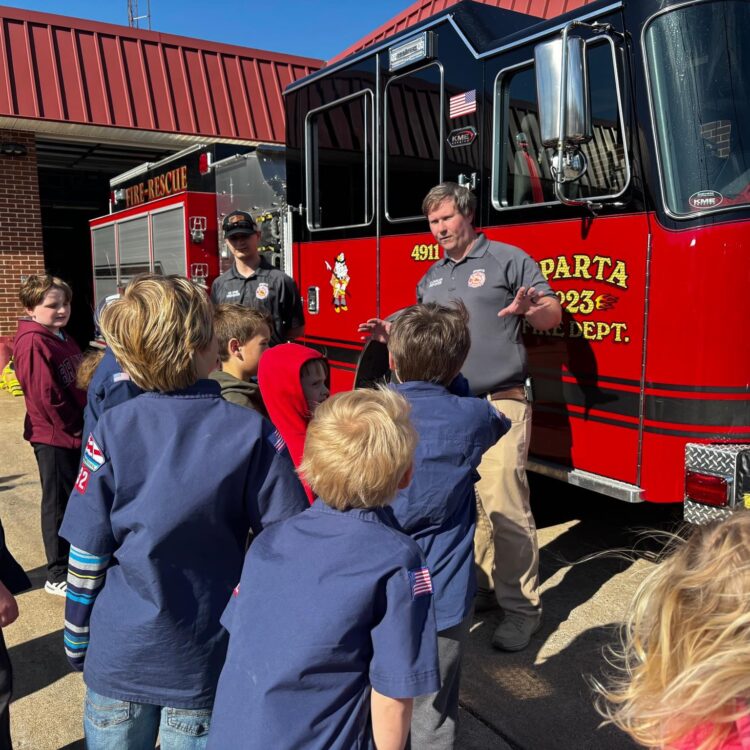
<point>86,573</point>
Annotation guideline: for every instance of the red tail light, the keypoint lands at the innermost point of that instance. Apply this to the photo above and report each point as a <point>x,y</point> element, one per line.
<point>706,488</point>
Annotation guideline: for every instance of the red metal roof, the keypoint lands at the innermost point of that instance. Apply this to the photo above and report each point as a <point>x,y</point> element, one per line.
<point>423,9</point>
<point>74,71</point>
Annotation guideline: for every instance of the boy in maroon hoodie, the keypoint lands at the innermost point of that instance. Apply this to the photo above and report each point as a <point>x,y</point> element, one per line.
<point>293,380</point>
<point>46,360</point>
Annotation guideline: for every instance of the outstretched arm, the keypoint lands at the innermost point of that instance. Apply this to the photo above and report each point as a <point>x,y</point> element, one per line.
<point>375,328</point>
<point>542,312</point>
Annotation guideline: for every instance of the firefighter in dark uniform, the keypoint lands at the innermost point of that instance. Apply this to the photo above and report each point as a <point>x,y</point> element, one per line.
<point>252,281</point>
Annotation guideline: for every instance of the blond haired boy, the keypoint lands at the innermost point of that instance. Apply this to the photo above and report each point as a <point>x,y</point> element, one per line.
<point>332,631</point>
<point>170,483</point>
<point>243,335</point>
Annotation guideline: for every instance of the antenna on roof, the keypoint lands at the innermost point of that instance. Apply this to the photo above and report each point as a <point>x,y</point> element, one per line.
<point>135,17</point>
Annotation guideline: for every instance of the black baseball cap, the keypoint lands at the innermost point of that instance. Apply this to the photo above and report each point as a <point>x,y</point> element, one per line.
<point>238,222</point>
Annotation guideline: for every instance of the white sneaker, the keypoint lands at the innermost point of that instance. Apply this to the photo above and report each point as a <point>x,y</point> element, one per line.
<point>60,588</point>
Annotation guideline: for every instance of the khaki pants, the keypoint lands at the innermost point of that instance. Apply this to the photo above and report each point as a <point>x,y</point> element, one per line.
<point>506,551</point>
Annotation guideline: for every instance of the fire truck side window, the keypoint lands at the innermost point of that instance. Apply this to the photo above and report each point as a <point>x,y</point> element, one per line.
<point>699,81</point>
<point>105,266</point>
<point>521,168</point>
<point>607,172</point>
<point>413,140</point>
<point>339,144</point>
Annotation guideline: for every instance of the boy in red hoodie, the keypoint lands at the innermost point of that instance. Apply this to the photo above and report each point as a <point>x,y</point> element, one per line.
<point>293,380</point>
<point>46,360</point>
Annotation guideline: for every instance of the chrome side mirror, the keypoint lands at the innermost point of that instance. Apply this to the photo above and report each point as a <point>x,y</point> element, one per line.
<point>563,96</point>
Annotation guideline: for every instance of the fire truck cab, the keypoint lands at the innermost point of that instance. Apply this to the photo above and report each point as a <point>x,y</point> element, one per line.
<point>613,145</point>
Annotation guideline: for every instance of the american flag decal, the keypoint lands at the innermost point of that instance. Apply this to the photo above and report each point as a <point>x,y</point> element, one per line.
<point>421,583</point>
<point>462,104</point>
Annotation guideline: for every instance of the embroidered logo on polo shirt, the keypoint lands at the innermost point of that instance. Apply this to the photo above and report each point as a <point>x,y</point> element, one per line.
<point>421,582</point>
<point>93,456</point>
<point>435,282</point>
<point>477,278</point>
<point>83,480</point>
<point>262,291</point>
<point>232,295</point>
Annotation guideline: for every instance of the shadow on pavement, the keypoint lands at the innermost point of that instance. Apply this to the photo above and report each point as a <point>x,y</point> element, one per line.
<point>77,745</point>
<point>38,663</point>
<point>37,576</point>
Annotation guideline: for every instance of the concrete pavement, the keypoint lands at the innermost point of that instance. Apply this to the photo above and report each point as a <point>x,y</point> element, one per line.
<point>534,700</point>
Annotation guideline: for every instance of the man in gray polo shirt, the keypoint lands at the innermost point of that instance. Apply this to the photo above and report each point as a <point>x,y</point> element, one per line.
<point>499,284</point>
<point>253,282</point>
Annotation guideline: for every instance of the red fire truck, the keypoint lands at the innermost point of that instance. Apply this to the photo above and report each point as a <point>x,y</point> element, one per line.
<point>613,145</point>
<point>164,216</point>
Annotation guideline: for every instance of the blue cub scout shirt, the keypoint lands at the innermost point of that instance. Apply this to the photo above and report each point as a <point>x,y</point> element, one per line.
<point>438,509</point>
<point>169,485</point>
<point>109,386</point>
<point>330,603</point>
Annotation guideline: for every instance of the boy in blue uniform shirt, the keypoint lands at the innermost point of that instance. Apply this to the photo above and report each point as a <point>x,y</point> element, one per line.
<point>427,348</point>
<point>332,630</point>
<point>169,485</point>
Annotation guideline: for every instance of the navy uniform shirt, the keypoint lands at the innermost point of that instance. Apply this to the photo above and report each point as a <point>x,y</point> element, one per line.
<point>170,485</point>
<point>267,289</point>
<point>487,280</point>
<point>438,509</point>
<point>330,603</point>
<point>109,386</point>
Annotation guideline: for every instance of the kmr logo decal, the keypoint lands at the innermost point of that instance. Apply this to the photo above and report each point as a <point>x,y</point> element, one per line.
<point>705,199</point>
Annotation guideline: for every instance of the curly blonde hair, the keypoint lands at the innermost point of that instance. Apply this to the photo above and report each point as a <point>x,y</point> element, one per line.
<point>684,660</point>
<point>156,328</point>
<point>358,447</point>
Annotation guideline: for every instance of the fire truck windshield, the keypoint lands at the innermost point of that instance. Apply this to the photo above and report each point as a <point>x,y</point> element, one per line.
<point>698,65</point>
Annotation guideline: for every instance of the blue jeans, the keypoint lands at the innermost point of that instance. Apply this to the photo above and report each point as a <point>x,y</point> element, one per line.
<point>111,724</point>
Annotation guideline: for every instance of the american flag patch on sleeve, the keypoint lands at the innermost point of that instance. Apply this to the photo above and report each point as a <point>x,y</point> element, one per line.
<point>421,583</point>
<point>277,441</point>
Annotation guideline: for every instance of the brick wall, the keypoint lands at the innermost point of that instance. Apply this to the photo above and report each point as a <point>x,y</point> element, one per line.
<point>21,251</point>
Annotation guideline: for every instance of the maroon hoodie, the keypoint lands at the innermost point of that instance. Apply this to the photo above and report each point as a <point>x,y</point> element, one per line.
<point>281,388</point>
<point>46,368</point>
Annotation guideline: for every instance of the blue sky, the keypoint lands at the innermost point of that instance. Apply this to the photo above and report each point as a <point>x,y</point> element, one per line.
<point>312,28</point>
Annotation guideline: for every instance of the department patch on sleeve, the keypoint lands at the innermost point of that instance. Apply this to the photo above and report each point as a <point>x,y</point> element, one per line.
<point>93,457</point>
<point>421,582</point>
<point>82,482</point>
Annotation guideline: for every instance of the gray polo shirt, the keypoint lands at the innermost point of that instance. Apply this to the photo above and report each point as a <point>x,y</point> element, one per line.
<point>487,280</point>
<point>269,289</point>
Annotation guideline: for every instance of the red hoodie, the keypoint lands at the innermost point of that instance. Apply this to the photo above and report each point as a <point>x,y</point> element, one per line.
<point>46,368</point>
<point>281,388</point>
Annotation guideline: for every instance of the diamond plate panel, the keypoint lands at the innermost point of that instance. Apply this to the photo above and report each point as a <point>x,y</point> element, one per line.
<point>730,460</point>
<point>699,514</point>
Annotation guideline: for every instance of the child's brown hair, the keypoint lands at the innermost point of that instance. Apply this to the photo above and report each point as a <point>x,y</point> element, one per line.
<point>34,289</point>
<point>232,321</point>
<point>86,369</point>
<point>430,342</point>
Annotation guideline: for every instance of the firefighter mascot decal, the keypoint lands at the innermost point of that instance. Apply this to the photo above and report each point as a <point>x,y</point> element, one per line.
<point>339,282</point>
